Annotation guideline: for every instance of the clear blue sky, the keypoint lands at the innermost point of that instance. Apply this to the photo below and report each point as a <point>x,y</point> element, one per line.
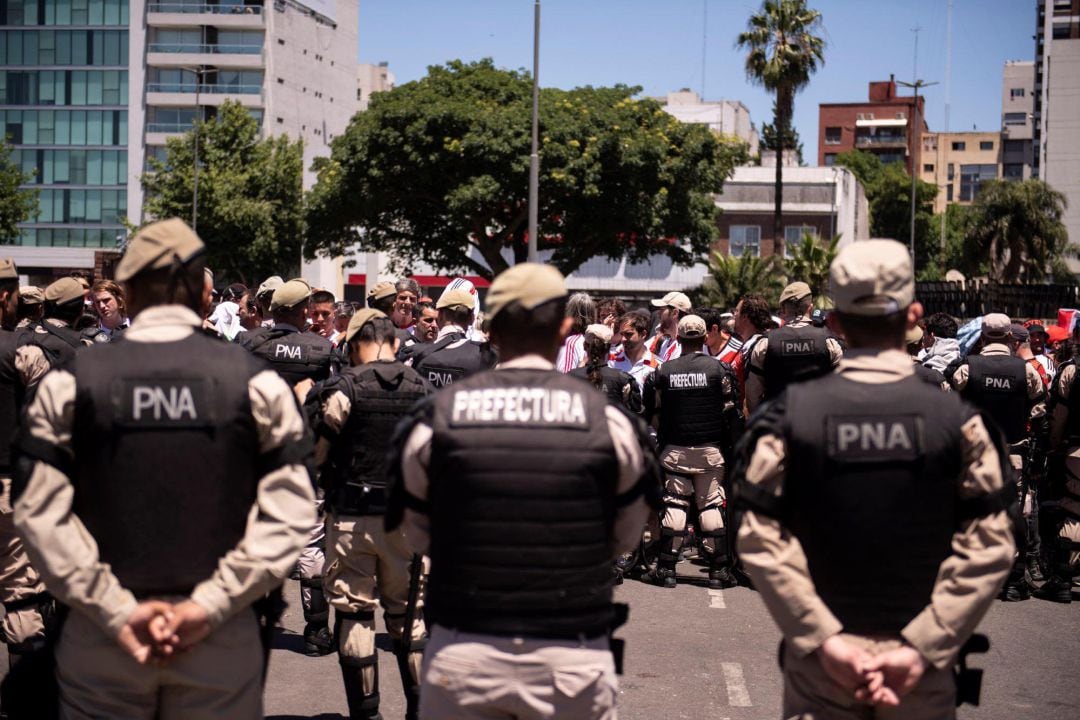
<point>657,44</point>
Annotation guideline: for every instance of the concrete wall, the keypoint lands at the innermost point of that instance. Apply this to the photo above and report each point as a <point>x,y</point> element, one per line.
<point>1061,114</point>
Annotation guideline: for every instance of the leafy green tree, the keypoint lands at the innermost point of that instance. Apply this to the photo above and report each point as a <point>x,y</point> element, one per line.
<point>438,170</point>
<point>888,192</point>
<point>783,51</point>
<point>810,261</point>
<point>1018,228</point>
<point>732,277</point>
<point>250,194</point>
<point>17,204</point>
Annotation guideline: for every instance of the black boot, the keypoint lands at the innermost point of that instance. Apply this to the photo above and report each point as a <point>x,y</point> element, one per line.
<point>1059,587</point>
<point>361,706</point>
<point>409,683</point>
<point>1016,587</point>
<point>720,575</point>
<point>664,573</point>
<point>318,640</point>
<point>1034,571</point>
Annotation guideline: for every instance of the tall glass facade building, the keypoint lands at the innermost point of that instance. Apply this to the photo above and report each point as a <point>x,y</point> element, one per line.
<point>64,108</point>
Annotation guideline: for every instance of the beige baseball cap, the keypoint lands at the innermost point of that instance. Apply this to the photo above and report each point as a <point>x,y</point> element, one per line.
<point>8,271</point>
<point>530,284</point>
<point>31,295</point>
<point>601,331</point>
<point>692,327</point>
<point>269,285</point>
<point>359,319</point>
<point>382,290</point>
<point>157,246</point>
<point>795,291</point>
<point>872,278</point>
<point>64,290</point>
<point>456,297</point>
<point>677,300</point>
<point>290,294</point>
<point>996,326</point>
<point>914,335</point>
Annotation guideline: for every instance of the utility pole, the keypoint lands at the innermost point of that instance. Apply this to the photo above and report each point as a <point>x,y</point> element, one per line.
<point>948,93</point>
<point>199,74</point>
<point>704,43</point>
<point>534,156</point>
<point>916,132</point>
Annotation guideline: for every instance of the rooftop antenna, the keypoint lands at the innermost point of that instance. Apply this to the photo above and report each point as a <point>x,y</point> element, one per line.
<point>704,42</point>
<point>948,91</point>
<point>916,126</point>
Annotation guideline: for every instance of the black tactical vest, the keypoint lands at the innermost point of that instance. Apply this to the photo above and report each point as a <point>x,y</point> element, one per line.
<point>795,354</point>
<point>294,355</point>
<point>166,453</point>
<point>997,384</point>
<point>1072,423</point>
<point>58,342</point>
<point>874,472</point>
<point>613,384</point>
<point>10,397</point>
<point>522,504</point>
<point>380,394</point>
<point>929,375</point>
<point>452,362</point>
<point>691,401</point>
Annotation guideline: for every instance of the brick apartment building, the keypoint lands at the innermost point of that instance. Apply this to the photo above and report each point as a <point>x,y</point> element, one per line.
<point>888,125</point>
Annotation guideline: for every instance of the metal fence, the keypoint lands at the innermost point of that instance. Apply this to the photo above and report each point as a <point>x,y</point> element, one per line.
<point>978,298</point>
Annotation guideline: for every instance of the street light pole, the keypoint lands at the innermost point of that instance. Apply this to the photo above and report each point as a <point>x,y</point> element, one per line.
<point>534,156</point>
<point>916,125</point>
<point>199,74</point>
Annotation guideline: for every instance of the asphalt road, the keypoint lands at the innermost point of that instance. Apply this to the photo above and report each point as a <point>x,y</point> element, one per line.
<point>694,653</point>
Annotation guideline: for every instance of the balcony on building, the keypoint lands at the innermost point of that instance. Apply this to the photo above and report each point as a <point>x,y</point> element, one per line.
<point>226,13</point>
<point>178,87</point>
<point>165,122</point>
<point>883,133</point>
<point>205,45</point>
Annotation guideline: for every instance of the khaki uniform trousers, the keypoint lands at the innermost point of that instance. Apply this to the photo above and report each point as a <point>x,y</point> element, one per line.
<point>365,567</point>
<point>220,677</point>
<point>809,694</point>
<point>1070,528</point>
<point>693,474</point>
<point>467,675</point>
<point>18,579</point>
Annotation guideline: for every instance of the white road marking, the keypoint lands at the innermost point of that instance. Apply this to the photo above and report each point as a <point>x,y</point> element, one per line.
<point>716,599</point>
<point>738,695</point>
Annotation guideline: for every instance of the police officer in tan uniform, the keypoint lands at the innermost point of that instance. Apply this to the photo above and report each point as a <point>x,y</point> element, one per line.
<point>1063,512</point>
<point>797,351</point>
<point>894,478</point>
<point>354,418</point>
<point>543,461</point>
<point>161,491</point>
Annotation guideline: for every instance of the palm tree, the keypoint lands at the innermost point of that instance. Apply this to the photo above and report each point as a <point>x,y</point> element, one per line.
<point>732,277</point>
<point>783,52</point>
<point>810,261</point>
<point>1018,226</point>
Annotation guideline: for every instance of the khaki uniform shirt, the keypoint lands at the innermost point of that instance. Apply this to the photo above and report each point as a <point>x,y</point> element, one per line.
<point>755,378</point>
<point>416,458</point>
<point>967,580</point>
<point>1059,418</point>
<point>65,553</point>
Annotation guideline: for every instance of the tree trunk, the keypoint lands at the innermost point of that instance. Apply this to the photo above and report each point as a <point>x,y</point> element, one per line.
<point>782,123</point>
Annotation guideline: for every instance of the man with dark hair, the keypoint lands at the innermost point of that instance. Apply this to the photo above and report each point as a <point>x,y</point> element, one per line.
<point>164,491</point>
<point>452,356</point>
<point>752,320</point>
<point>871,468</point>
<point>665,344</point>
<point>354,415</point>
<point>343,313</point>
<point>633,357</point>
<point>1010,392</point>
<point>321,313</point>
<point>719,343</point>
<point>944,348</point>
<point>531,444</point>
<point>693,403</point>
<point>798,351</point>
<point>427,325</point>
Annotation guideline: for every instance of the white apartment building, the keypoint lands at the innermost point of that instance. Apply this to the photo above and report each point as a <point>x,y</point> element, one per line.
<point>729,117</point>
<point>1017,119</point>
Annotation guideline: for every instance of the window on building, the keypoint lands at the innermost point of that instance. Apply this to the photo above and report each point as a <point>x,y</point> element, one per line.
<point>986,144</point>
<point>744,239</point>
<point>793,235</point>
<point>952,172</point>
<point>971,178</point>
<point>832,135</point>
<point>948,193</point>
<point>928,167</point>
<point>1016,92</point>
<point>1013,171</point>
<point>830,158</point>
<point>1015,118</point>
<point>887,158</point>
<point>1062,30</point>
<point>959,145</point>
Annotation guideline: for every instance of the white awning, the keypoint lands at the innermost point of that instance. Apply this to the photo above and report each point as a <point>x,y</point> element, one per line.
<point>896,122</point>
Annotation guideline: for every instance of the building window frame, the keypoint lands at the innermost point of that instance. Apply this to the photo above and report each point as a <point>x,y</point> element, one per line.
<point>744,238</point>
